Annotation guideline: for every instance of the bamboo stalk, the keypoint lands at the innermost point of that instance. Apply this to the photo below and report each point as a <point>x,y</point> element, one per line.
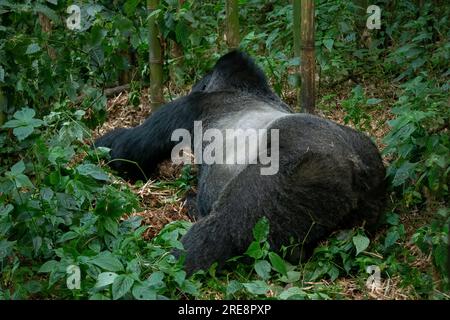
<point>307,57</point>
<point>155,59</point>
<point>297,46</point>
<point>232,21</point>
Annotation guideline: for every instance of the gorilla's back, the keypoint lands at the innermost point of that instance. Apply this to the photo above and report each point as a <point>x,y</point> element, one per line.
<point>250,112</point>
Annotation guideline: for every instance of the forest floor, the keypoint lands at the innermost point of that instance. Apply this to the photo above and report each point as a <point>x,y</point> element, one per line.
<point>164,202</point>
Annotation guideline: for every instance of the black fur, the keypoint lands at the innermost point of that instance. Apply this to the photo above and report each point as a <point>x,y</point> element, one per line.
<point>330,176</point>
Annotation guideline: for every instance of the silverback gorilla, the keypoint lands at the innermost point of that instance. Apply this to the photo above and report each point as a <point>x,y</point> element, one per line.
<point>330,176</point>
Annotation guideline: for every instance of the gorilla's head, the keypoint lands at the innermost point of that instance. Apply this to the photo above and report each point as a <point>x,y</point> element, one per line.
<point>234,71</point>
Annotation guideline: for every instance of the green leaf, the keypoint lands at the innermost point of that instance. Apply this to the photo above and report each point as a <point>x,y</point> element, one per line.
<point>156,279</point>
<point>67,236</point>
<point>182,32</point>
<point>278,264</point>
<point>130,7</point>
<point>106,260</point>
<point>406,170</point>
<point>121,286</point>
<point>293,293</point>
<point>23,181</point>
<point>6,248</point>
<point>292,276</point>
<point>179,277</point>
<point>33,286</point>
<point>93,171</point>
<point>25,114</point>
<point>50,13</point>
<point>393,219</point>
<point>440,252</point>
<point>233,287</point>
<point>18,168</point>
<point>141,292</point>
<point>33,48</point>
<point>263,268</point>
<point>391,238</point>
<point>49,266</point>
<point>24,123</point>
<point>328,43</point>
<point>261,230</point>
<point>111,225</point>
<point>372,101</point>
<point>361,243</point>
<point>37,243</point>
<point>23,132</point>
<point>2,74</point>
<point>60,154</point>
<point>254,250</point>
<point>256,287</point>
<point>105,279</point>
<point>5,210</point>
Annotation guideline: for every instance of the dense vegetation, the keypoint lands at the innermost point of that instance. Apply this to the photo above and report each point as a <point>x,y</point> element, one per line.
<point>60,206</point>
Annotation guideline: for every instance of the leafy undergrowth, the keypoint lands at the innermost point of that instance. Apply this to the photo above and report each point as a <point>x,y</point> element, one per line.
<point>73,230</point>
<point>339,267</point>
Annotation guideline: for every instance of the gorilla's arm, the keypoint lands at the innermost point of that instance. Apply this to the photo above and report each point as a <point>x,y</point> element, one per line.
<point>150,143</point>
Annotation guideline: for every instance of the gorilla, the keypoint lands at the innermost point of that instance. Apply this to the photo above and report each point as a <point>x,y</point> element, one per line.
<point>329,176</point>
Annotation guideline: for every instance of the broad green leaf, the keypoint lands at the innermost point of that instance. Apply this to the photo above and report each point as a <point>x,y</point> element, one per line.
<point>105,279</point>
<point>328,43</point>
<point>33,48</point>
<point>179,277</point>
<point>33,286</point>
<point>156,279</point>
<point>106,260</point>
<point>130,7</point>
<point>22,181</point>
<point>361,243</point>
<point>99,296</point>
<point>256,287</point>
<point>111,225</point>
<point>141,292</point>
<point>278,264</point>
<point>121,286</point>
<point>263,268</point>
<point>67,236</point>
<point>60,154</point>
<point>406,170</point>
<point>293,293</point>
<point>292,276</point>
<point>372,101</point>
<point>6,248</point>
<point>37,243</point>
<point>391,237</point>
<point>24,123</point>
<point>93,171</point>
<point>233,287</point>
<point>18,168</point>
<point>49,266</point>
<point>261,229</point>
<point>50,13</point>
<point>254,250</point>
<point>5,210</point>
<point>23,132</point>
